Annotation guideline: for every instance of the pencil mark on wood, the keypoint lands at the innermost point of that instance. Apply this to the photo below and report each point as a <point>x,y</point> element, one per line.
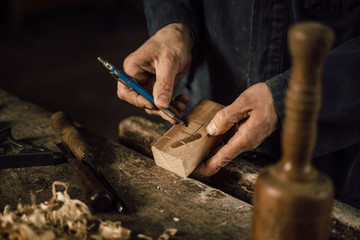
<point>186,140</point>
<point>197,144</point>
<point>192,128</point>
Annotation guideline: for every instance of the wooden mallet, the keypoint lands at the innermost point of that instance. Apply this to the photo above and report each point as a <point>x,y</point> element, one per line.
<point>292,199</point>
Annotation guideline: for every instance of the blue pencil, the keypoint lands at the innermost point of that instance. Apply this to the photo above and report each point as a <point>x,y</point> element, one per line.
<point>127,81</point>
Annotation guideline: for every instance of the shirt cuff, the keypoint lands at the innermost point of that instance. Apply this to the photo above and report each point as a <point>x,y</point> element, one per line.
<point>168,19</point>
<point>172,12</point>
<point>278,86</point>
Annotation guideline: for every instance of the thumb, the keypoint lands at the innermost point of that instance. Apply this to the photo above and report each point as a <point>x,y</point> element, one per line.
<point>227,117</point>
<point>166,71</point>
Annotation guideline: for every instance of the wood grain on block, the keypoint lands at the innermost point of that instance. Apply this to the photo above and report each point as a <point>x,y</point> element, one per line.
<point>182,148</point>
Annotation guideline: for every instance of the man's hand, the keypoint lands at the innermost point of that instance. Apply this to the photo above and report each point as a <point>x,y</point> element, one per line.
<point>254,116</point>
<point>156,66</point>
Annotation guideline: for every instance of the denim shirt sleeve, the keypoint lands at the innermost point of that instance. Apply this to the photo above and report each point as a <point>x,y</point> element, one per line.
<point>159,13</point>
<point>339,118</point>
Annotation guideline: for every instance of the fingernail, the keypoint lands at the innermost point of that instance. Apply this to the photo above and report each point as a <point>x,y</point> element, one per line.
<point>211,128</point>
<point>163,101</point>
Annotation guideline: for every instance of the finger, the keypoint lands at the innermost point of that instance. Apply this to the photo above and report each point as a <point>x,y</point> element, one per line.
<point>173,110</point>
<point>179,106</point>
<point>139,68</point>
<point>215,163</point>
<point>166,70</point>
<point>133,97</point>
<point>161,114</point>
<point>240,142</point>
<point>181,98</point>
<point>208,169</point>
<point>138,64</point>
<point>227,117</point>
<point>179,102</point>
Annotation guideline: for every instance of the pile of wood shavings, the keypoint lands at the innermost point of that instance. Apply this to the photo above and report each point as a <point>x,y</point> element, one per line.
<point>60,218</point>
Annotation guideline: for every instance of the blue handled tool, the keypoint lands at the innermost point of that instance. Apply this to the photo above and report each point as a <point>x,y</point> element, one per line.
<point>127,81</point>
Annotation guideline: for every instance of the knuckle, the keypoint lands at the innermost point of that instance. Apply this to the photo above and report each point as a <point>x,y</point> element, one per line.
<point>167,58</point>
<point>149,111</point>
<point>222,115</point>
<point>128,62</point>
<point>137,102</point>
<point>120,94</point>
<point>254,145</point>
<point>224,159</point>
<point>251,145</point>
<point>165,85</point>
<point>218,162</point>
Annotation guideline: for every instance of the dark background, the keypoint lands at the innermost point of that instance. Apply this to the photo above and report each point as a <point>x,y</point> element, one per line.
<point>49,50</point>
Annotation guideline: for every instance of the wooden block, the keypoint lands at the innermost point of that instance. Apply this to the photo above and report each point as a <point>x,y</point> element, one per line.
<point>182,148</point>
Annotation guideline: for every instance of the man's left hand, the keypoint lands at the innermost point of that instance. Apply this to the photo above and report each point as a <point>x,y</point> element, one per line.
<point>253,115</point>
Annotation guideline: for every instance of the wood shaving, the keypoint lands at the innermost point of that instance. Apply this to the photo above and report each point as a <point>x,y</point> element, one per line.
<point>167,234</point>
<point>142,236</point>
<point>60,218</point>
<point>113,230</point>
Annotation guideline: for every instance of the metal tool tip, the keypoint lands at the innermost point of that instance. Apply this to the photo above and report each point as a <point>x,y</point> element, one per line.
<point>183,123</point>
<point>101,60</point>
<point>119,207</point>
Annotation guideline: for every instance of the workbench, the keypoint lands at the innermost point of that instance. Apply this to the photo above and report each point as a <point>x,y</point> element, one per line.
<point>157,199</point>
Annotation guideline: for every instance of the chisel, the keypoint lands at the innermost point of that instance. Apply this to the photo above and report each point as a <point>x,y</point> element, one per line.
<point>103,196</point>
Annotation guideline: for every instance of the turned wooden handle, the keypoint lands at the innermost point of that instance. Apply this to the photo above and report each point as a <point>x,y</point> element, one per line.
<point>292,199</point>
<point>66,129</point>
<point>309,43</point>
<point>97,195</point>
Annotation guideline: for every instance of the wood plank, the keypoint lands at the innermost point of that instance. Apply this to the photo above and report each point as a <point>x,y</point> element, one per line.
<point>157,199</point>
<point>140,134</point>
<point>182,148</point>
<point>239,176</point>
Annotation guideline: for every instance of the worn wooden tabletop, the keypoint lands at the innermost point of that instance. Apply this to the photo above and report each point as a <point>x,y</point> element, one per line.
<point>238,178</point>
<point>157,199</point>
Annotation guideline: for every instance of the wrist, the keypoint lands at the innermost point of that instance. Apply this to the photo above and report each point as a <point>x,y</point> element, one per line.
<point>178,31</point>
<point>186,34</point>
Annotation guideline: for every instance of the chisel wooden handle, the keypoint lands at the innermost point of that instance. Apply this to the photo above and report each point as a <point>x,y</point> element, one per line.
<point>66,129</point>
<point>97,195</point>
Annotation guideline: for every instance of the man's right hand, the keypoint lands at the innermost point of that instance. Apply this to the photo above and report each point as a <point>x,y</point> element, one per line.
<point>157,65</point>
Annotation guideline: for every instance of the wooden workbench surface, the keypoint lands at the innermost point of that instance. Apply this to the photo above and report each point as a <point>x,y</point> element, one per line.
<point>157,199</point>
<point>238,177</point>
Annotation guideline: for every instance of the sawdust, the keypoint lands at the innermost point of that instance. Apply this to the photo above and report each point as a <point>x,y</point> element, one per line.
<point>60,218</point>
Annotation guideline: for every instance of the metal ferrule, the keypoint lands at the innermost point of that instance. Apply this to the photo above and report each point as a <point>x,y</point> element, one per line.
<point>115,71</point>
<point>106,64</point>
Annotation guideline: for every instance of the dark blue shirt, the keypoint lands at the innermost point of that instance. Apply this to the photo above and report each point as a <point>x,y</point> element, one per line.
<point>240,43</point>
